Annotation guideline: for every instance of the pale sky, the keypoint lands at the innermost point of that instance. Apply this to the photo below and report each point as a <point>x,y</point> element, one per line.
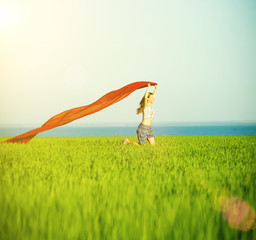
<point>57,55</point>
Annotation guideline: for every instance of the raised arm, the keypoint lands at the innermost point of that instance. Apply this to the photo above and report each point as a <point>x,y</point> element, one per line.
<point>146,95</point>
<point>154,93</point>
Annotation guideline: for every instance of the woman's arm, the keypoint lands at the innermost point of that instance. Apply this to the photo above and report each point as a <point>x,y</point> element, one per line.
<point>146,95</point>
<point>154,93</point>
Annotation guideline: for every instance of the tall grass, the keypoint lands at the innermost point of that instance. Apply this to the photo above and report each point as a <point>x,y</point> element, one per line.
<point>97,188</point>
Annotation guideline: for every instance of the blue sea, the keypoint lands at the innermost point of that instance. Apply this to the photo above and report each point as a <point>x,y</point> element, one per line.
<point>246,129</point>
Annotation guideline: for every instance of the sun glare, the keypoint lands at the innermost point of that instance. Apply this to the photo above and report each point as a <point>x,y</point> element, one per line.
<point>5,16</point>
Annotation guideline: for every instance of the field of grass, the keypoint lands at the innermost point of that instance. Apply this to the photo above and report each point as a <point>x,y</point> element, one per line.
<point>97,188</point>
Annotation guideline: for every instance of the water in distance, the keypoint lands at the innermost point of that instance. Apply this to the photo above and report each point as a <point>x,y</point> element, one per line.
<point>131,131</point>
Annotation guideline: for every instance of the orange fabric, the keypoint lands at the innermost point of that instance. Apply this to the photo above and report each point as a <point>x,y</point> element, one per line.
<point>79,112</point>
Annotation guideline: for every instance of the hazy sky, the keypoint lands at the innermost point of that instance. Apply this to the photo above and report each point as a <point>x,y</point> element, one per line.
<point>57,55</point>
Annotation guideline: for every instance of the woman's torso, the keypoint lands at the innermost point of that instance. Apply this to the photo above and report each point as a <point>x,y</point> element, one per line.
<point>147,115</point>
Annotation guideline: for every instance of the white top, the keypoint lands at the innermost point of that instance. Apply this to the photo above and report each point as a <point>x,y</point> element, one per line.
<point>148,112</point>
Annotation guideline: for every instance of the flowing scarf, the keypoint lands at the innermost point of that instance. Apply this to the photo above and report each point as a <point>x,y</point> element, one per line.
<point>79,112</point>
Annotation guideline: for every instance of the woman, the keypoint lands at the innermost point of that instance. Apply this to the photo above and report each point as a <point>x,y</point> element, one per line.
<point>144,130</point>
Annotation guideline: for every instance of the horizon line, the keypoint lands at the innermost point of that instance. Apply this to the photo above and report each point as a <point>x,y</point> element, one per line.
<point>127,124</point>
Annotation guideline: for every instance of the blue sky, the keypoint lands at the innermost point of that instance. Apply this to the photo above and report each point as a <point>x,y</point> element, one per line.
<point>57,55</point>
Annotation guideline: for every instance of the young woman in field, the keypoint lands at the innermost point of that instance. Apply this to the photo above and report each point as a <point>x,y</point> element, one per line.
<point>144,130</point>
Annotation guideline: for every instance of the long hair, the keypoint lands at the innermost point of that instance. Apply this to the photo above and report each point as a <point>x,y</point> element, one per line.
<point>142,103</point>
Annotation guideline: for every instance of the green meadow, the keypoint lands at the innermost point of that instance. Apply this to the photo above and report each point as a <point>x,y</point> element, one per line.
<point>97,188</point>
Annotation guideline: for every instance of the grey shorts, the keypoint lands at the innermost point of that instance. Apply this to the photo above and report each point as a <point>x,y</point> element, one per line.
<point>144,132</point>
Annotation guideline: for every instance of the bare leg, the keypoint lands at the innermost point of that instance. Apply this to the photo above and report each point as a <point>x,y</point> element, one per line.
<point>151,141</point>
<point>127,141</point>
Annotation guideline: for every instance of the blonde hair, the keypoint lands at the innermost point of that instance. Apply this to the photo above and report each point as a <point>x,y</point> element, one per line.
<point>142,103</point>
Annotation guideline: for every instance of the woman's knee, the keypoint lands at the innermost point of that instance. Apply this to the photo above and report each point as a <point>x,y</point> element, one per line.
<point>151,141</point>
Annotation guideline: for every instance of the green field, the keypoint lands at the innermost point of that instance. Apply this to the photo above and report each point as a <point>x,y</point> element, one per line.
<point>97,188</point>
